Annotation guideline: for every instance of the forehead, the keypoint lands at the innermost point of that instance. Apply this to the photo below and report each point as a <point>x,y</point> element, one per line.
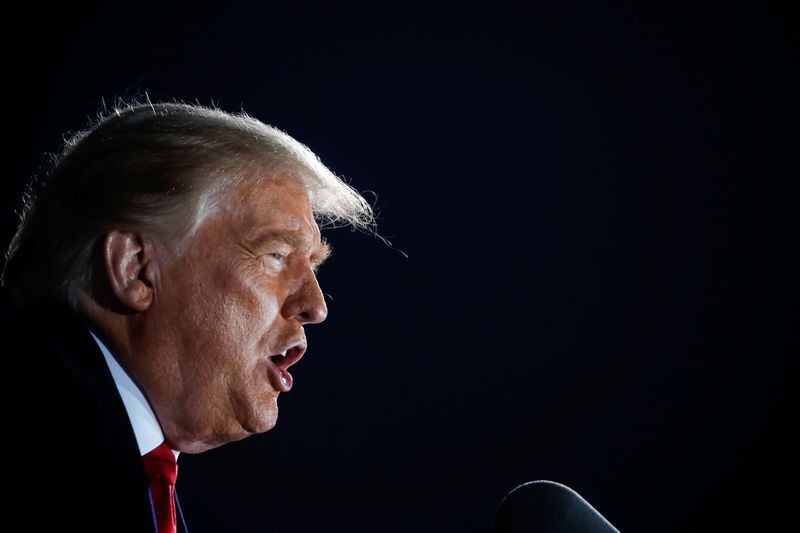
<point>273,205</point>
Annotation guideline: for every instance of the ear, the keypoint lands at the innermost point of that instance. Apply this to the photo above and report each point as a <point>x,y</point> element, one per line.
<point>131,268</point>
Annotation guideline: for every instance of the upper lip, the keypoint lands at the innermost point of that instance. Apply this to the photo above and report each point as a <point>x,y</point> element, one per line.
<point>294,352</point>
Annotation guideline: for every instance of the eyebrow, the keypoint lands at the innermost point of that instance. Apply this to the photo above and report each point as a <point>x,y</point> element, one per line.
<point>319,256</point>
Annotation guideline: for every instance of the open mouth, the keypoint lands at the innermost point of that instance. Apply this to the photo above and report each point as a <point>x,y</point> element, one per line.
<point>279,364</point>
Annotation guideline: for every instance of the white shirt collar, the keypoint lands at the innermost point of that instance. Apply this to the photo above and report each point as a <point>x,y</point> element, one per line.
<point>143,419</point>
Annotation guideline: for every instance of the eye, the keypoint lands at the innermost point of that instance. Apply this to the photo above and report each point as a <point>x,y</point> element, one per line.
<point>274,260</point>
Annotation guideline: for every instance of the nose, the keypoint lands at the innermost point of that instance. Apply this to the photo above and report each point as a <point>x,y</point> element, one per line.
<point>307,303</point>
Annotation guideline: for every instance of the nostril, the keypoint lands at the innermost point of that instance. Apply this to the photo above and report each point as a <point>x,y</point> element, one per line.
<point>315,313</point>
<point>315,316</point>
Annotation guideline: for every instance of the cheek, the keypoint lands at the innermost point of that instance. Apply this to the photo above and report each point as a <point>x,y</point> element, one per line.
<point>248,313</point>
<point>228,314</point>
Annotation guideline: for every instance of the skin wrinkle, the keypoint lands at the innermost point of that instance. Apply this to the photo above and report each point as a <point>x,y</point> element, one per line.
<point>226,311</point>
<point>217,311</point>
<point>262,239</point>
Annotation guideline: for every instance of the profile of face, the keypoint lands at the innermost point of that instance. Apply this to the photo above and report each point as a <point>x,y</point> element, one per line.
<point>228,314</point>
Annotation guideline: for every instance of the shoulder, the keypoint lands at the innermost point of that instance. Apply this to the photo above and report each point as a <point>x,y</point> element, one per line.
<point>70,427</point>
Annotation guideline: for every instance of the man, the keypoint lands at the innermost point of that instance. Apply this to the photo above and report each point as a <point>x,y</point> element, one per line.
<point>155,296</point>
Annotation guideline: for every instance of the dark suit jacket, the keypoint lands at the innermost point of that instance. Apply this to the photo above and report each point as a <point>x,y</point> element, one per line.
<point>75,461</point>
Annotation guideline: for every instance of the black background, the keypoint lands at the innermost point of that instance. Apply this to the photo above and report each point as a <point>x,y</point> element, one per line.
<point>598,207</point>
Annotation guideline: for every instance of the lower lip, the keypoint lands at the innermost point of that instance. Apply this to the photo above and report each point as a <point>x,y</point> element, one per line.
<point>281,379</point>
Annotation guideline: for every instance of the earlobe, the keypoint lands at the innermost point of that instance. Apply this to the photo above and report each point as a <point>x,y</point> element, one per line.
<point>129,265</point>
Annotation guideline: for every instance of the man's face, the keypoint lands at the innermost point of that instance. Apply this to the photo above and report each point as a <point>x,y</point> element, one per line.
<point>225,311</point>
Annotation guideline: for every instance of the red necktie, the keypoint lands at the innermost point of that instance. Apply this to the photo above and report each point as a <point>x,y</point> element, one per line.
<point>162,470</point>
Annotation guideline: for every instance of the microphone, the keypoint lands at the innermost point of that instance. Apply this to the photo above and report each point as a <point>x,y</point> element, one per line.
<point>547,507</point>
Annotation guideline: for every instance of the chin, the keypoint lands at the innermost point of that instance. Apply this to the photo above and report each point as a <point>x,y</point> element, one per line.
<point>263,423</point>
<point>210,442</point>
<point>257,419</point>
<point>200,444</point>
